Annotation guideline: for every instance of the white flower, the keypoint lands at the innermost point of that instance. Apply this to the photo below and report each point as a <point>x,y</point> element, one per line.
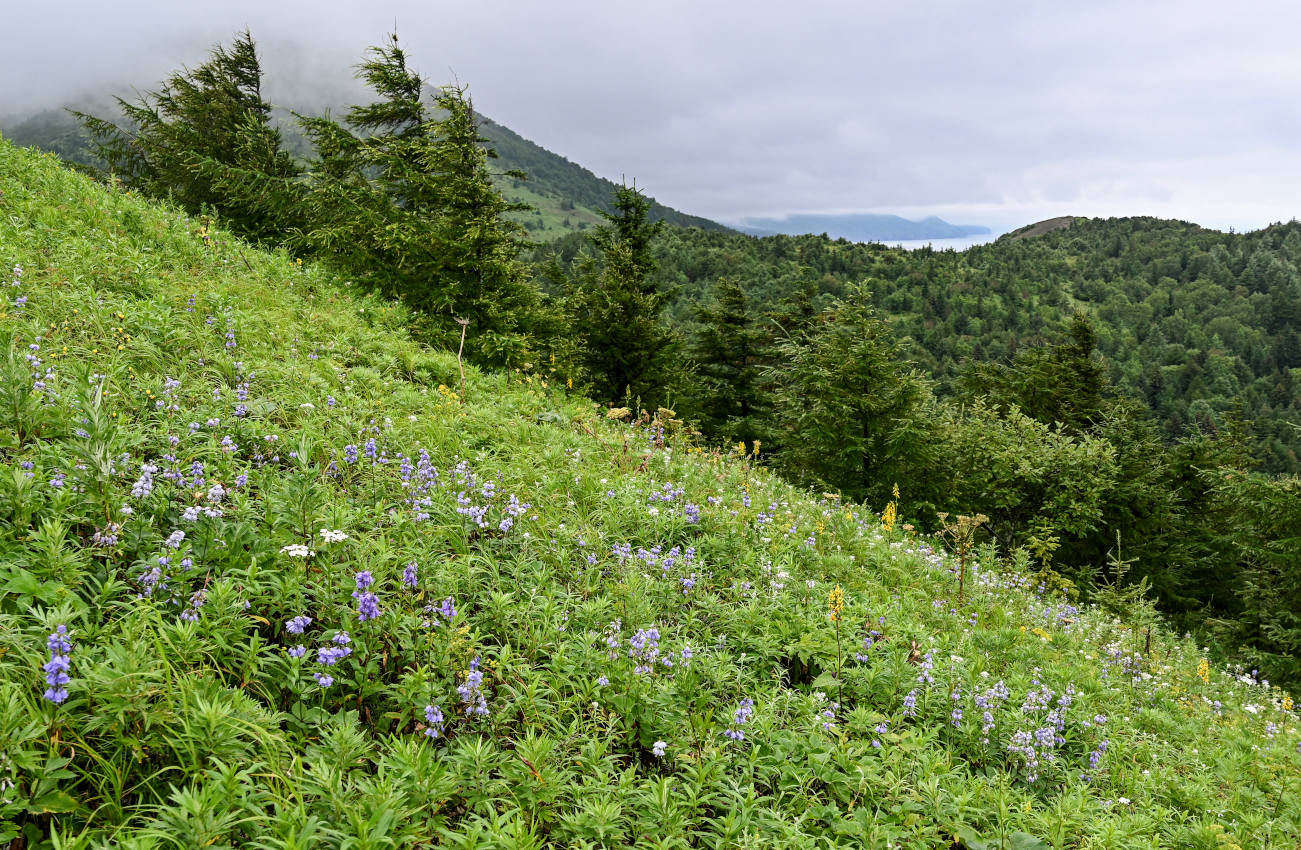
<point>1254,709</point>
<point>1124,801</point>
<point>659,749</point>
<point>307,405</point>
<point>296,550</point>
<point>329,536</point>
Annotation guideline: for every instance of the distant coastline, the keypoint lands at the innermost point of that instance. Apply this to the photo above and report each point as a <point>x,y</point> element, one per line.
<point>862,227</point>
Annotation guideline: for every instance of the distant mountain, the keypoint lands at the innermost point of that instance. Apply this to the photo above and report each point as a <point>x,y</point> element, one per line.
<point>860,227</point>
<point>565,197</point>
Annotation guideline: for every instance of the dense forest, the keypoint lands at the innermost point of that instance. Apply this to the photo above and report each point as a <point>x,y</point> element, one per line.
<point>1114,403</point>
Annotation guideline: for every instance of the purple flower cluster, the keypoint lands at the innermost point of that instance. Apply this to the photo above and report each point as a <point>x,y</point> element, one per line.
<point>910,704</point>
<point>197,600</point>
<point>367,602</point>
<point>472,699</point>
<point>331,655</point>
<point>434,721</point>
<point>644,647</point>
<point>988,701</point>
<point>924,676</point>
<point>56,669</point>
<point>298,624</point>
<point>409,577</point>
<point>742,716</point>
<point>829,717</point>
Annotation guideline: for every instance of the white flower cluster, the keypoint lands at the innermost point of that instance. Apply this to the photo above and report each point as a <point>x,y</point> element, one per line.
<point>328,536</point>
<point>297,550</point>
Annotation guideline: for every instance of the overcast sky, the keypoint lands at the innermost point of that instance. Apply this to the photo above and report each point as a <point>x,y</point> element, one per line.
<point>998,113</point>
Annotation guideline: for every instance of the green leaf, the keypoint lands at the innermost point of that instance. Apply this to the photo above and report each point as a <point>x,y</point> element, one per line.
<point>53,802</point>
<point>1026,841</point>
<point>970,840</point>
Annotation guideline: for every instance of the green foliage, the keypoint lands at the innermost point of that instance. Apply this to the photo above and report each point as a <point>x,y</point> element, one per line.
<point>205,138</point>
<point>613,308</point>
<point>1266,514</point>
<point>851,414</point>
<point>730,351</point>
<point>400,198</point>
<point>554,553</point>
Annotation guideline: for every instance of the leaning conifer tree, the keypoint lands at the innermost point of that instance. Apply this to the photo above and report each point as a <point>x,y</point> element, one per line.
<point>401,198</point>
<point>205,139</point>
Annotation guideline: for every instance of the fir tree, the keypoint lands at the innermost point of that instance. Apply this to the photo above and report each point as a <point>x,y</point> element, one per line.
<point>614,308</point>
<point>205,139</point>
<point>851,413</point>
<point>730,351</point>
<point>402,199</point>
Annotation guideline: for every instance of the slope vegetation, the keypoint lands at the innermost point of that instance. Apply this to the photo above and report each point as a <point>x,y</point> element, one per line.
<point>270,577</point>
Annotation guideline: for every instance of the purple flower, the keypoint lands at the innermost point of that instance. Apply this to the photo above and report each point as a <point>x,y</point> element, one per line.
<point>367,607</point>
<point>910,704</point>
<point>297,651</point>
<point>434,721</point>
<point>742,716</point>
<point>472,699</point>
<point>448,608</point>
<point>323,680</point>
<point>56,669</point>
<point>297,624</point>
<point>659,749</point>
<point>409,575</point>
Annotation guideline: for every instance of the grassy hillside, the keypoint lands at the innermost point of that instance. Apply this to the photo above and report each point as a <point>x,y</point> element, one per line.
<point>305,592</point>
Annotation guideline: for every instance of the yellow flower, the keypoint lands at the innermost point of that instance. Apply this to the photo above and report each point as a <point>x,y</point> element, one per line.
<point>1287,703</point>
<point>888,516</point>
<point>1204,670</point>
<point>836,602</point>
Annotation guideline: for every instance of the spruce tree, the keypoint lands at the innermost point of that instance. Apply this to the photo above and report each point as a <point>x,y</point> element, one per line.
<point>614,307</point>
<point>851,413</point>
<point>401,198</point>
<point>206,140</point>
<point>730,351</point>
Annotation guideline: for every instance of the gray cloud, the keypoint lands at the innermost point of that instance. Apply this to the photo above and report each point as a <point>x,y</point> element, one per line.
<point>996,113</point>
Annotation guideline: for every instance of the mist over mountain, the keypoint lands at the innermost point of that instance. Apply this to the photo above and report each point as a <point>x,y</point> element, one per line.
<point>860,227</point>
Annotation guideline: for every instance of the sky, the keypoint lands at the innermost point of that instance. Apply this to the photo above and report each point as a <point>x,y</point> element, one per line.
<point>998,113</point>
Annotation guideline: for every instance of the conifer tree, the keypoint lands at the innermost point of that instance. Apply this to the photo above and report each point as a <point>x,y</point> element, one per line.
<point>614,308</point>
<point>730,351</point>
<point>850,411</point>
<point>401,197</point>
<point>205,138</point>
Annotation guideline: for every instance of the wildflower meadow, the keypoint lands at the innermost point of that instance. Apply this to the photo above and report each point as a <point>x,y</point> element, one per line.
<point>273,576</point>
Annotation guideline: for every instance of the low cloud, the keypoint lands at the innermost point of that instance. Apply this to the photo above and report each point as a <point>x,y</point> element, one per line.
<point>994,113</point>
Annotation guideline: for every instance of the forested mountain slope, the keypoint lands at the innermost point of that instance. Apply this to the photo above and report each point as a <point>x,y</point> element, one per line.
<point>1201,326</point>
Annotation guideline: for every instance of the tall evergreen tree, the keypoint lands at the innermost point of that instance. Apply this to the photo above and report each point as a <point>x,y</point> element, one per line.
<point>851,412</point>
<point>401,198</point>
<point>730,351</point>
<point>205,138</point>
<point>614,308</point>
